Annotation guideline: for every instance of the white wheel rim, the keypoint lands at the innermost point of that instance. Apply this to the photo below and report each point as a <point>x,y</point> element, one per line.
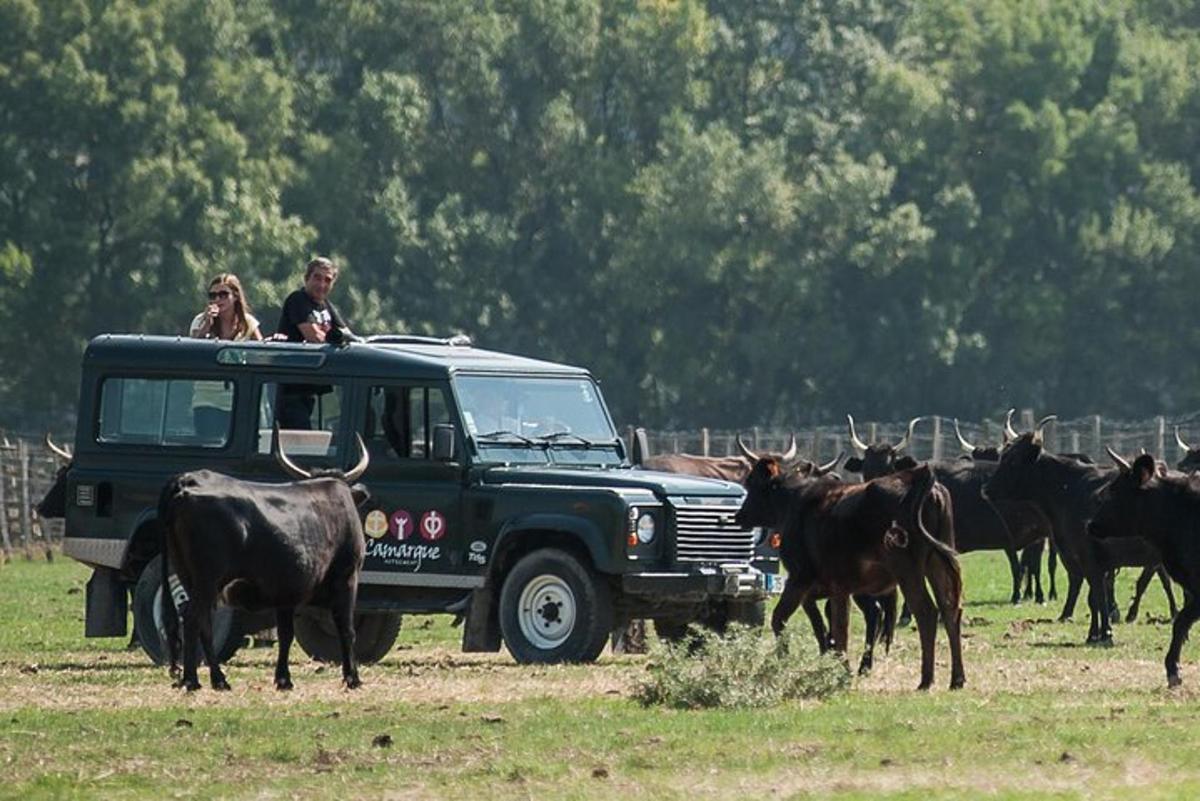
<point>546,612</point>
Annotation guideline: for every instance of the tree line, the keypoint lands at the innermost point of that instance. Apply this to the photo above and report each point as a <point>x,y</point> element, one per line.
<point>735,213</point>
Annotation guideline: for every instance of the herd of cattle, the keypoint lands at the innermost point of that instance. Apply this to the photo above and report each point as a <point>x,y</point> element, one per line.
<point>900,527</point>
<point>903,523</point>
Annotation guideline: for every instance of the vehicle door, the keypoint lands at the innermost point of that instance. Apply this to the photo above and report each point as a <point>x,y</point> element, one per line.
<point>313,431</point>
<point>416,534</point>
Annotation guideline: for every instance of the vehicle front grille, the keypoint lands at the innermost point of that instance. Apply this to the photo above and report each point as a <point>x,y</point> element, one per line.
<point>708,534</point>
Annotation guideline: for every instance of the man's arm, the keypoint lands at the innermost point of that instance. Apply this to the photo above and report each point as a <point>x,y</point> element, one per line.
<point>311,333</point>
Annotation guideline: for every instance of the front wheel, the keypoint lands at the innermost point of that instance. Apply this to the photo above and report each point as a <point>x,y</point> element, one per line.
<point>374,635</point>
<point>150,625</point>
<point>553,609</point>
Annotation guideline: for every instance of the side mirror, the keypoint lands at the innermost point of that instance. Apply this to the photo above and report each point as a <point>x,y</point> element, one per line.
<point>443,442</point>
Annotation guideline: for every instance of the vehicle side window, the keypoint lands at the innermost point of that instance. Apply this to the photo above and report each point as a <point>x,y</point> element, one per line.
<point>309,416</point>
<point>400,421</point>
<point>172,412</point>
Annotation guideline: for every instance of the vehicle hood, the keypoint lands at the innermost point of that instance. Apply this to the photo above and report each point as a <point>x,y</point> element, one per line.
<point>624,478</point>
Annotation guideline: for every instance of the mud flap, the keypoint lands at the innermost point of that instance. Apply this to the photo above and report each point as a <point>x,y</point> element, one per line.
<point>107,605</point>
<point>481,632</point>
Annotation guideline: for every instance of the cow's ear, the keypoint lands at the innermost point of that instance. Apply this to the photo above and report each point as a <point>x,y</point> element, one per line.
<point>360,495</point>
<point>906,463</point>
<point>1144,468</point>
<point>853,464</point>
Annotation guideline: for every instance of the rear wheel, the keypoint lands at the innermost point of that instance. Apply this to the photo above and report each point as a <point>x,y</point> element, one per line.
<point>374,635</point>
<point>553,609</point>
<point>150,626</point>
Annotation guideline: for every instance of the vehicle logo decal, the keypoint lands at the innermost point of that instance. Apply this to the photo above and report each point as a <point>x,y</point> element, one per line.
<point>376,524</point>
<point>433,525</point>
<point>478,546</point>
<point>400,524</point>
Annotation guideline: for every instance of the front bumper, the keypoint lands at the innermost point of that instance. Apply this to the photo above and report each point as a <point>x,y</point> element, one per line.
<point>725,581</point>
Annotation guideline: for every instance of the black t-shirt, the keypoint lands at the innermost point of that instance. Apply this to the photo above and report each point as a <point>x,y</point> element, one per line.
<point>300,308</point>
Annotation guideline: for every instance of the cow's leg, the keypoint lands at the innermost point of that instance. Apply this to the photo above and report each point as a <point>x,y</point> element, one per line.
<point>872,614</point>
<point>1166,585</point>
<point>190,681</point>
<point>342,608</point>
<point>839,623</point>
<point>947,593</point>
<point>1074,585</point>
<point>1052,568</point>
<point>1143,581</point>
<point>791,597</point>
<point>887,604</point>
<point>203,609</point>
<point>1179,634</point>
<point>285,621</point>
<point>816,620</point>
<point>1110,589</point>
<point>923,609</point>
<point>1014,567</point>
<point>906,615</point>
<point>1036,572</point>
<point>1099,629</point>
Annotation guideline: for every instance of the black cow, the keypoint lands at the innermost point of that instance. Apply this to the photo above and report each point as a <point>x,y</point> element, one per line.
<point>1190,462</point>
<point>54,502</point>
<point>1162,510</point>
<point>263,546</point>
<point>978,524</point>
<point>728,468</point>
<point>1064,489</point>
<point>840,538</point>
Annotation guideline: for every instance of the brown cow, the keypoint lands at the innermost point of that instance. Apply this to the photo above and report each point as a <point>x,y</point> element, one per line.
<point>841,538</point>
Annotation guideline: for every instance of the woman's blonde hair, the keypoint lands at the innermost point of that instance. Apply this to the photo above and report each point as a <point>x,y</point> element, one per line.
<point>241,306</point>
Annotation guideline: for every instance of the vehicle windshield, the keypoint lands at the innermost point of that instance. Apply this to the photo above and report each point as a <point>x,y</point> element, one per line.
<point>536,419</point>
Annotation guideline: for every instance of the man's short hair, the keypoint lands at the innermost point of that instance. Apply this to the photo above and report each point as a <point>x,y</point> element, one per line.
<point>319,262</point>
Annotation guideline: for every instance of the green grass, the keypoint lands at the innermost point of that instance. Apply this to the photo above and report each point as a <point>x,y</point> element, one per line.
<point>1042,716</point>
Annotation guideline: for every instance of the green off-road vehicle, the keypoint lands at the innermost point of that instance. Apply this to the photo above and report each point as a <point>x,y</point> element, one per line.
<point>500,491</point>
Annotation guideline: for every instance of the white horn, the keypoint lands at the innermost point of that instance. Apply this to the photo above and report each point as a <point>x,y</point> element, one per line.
<point>902,444</point>
<point>790,453</point>
<point>1121,463</point>
<point>854,440</point>
<point>288,466</point>
<point>966,446</point>
<point>1183,446</point>
<point>360,468</point>
<point>1042,424</point>
<point>61,453</point>
<point>749,454</point>
<point>1009,432</point>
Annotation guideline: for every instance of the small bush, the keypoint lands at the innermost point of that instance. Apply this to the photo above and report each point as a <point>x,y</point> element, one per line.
<point>741,669</point>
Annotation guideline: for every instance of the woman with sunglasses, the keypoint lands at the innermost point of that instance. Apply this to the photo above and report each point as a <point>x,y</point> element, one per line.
<point>227,315</point>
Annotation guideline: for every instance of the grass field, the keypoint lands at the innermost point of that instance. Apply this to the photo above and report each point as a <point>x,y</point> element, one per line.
<point>1042,716</point>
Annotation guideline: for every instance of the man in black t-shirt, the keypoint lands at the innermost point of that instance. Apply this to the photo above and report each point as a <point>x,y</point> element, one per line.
<point>308,316</point>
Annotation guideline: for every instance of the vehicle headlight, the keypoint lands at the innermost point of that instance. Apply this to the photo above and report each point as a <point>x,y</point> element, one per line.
<point>645,528</point>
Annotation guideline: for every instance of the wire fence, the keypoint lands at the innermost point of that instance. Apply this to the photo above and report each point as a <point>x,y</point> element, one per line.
<point>934,437</point>
<point>27,471</point>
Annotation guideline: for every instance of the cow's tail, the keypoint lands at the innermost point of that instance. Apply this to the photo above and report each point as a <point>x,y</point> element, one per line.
<point>166,518</point>
<point>921,496</point>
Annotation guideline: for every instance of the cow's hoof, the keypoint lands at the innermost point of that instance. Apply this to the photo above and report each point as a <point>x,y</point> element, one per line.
<point>957,684</point>
<point>221,686</point>
<point>283,684</point>
<point>864,669</point>
<point>924,686</point>
<point>191,686</point>
<point>1174,681</point>
<point>353,683</point>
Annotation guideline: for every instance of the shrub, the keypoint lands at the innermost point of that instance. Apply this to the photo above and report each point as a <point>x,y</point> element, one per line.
<point>741,669</point>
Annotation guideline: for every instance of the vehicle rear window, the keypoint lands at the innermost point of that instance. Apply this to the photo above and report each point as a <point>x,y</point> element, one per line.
<point>171,412</point>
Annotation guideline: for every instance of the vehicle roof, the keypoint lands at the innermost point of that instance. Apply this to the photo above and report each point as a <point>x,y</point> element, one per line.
<point>426,359</point>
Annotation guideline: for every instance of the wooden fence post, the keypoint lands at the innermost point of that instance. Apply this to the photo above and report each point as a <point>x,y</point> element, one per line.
<point>1098,446</point>
<point>704,442</point>
<point>1160,451</point>
<point>4,538</point>
<point>26,526</point>
<point>937,437</point>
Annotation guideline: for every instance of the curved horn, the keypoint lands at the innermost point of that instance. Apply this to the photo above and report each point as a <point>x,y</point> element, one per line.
<point>1009,432</point>
<point>1121,463</point>
<point>61,453</point>
<point>854,440</point>
<point>1179,441</point>
<point>356,472</point>
<point>902,444</point>
<point>1042,424</point>
<point>281,458</point>
<point>749,454</point>
<point>966,446</point>
<point>825,468</point>
<point>790,453</point>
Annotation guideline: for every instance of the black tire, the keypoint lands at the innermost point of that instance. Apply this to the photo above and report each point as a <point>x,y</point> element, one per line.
<point>228,633</point>
<point>553,609</point>
<point>374,635</point>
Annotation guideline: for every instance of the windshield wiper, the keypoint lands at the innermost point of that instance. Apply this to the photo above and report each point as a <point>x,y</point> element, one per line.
<point>558,435</point>
<point>503,434</point>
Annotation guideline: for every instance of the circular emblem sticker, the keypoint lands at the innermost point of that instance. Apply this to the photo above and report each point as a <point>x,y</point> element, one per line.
<point>433,525</point>
<point>376,524</point>
<point>400,524</point>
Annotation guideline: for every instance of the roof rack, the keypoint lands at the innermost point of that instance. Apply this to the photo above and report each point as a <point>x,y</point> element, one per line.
<point>456,341</point>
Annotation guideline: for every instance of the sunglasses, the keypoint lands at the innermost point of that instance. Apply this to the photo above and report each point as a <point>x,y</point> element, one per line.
<point>220,293</point>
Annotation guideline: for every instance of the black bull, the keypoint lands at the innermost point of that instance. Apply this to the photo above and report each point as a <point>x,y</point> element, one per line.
<point>840,538</point>
<point>1160,511</point>
<point>262,546</point>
